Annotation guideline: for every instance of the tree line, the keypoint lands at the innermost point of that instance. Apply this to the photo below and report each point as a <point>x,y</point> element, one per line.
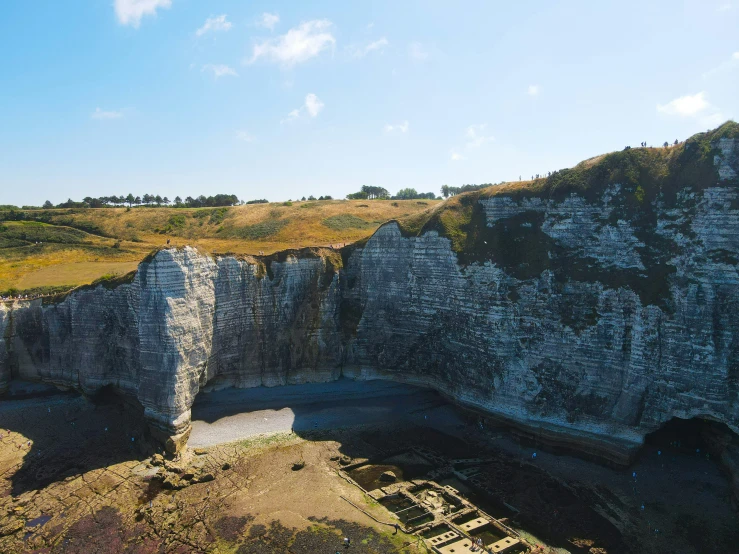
<point>369,192</point>
<point>447,191</point>
<point>201,201</point>
<point>380,193</point>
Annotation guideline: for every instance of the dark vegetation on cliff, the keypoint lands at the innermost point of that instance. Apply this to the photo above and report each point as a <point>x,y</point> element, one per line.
<point>646,179</point>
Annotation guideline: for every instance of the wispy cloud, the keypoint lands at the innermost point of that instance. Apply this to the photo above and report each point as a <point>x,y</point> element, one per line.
<point>533,90</point>
<point>456,156</point>
<point>130,12</point>
<point>694,106</point>
<point>214,24</point>
<point>244,136</point>
<point>727,65</point>
<point>476,136</point>
<point>106,114</point>
<point>724,7</point>
<point>401,127</point>
<point>298,45</point>
<point>268,20</point>
<point>378,44</point>
<point>312,106</point>
<point>220,70</point>
<point>417,52</point>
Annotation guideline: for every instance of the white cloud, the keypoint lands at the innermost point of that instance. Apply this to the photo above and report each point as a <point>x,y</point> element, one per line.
<point>376,45</point>
<point>695,106</point>
<point>533,90</point>
<point>685,105</point>
<point>723,8</point>
<point>130,12</point>
<point>476,137</point>
<point>735,56</point>
<point>417,52</point>
<point>268,20</point>
<point>312,107</point>
<point>219,23</point>
<point>298,45</point>
<point>379,44</point>
<point>400,127</point>
<point>104,114</point>
<point>244,136</point>
<point>455,157</point>
<point>220,70</point>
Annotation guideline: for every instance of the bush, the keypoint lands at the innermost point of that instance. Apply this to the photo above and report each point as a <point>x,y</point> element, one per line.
<point>346,221</point>
<point>262,230</point>
<point>288,203</point>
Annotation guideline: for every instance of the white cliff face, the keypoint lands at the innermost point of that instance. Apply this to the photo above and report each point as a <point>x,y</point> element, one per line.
<point>183,321</point>
<point>585,320</point>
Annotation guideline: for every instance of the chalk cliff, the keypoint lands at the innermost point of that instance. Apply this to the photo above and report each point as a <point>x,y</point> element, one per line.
<point>586,309</point>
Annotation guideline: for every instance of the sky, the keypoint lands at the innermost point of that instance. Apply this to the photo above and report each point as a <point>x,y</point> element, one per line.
<point>283,99</point>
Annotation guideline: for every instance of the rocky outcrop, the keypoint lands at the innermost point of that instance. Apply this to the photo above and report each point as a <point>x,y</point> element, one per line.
<point>585,314</point>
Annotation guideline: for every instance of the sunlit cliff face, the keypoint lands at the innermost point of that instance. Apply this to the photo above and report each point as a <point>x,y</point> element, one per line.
<point>592,316</point>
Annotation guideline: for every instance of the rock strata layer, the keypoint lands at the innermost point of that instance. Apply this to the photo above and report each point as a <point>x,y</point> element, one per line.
<point>586,319</point>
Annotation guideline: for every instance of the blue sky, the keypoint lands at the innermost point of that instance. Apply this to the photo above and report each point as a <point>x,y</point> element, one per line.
<point>277,100</point>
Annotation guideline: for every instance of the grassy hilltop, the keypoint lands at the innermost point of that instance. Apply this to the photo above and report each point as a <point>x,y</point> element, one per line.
<point>80,245</point>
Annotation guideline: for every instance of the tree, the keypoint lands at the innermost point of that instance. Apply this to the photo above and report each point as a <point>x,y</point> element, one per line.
<point>311,197</point>
<point>177,200</point>
<point>407,194</point>
<point>666,144</point>
<point>48,205</point>
<point>445,191</point>
<point>130,199</point>
<point>147,198</point>
<point>137,201</point>
<point>375,192</point>
<point>158,199</point>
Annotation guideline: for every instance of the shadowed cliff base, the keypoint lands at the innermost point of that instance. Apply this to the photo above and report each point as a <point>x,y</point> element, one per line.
<point>63,435</point>
<point>566,502</point>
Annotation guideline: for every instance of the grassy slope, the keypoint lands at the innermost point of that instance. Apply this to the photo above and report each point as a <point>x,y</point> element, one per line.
<point>79,245</point>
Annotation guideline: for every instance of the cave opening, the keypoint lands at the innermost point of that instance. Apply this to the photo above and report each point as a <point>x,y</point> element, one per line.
<point>699,438</point>
<point>696,435</point>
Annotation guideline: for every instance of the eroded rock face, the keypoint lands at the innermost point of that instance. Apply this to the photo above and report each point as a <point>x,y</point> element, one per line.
<point>185,320</point>
<point>584,319</point>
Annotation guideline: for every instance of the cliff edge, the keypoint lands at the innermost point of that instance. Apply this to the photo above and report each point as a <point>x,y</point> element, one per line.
<point>587,308</point>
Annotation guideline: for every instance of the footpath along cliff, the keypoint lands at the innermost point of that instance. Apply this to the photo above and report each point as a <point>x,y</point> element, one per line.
<point>586,309</point>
